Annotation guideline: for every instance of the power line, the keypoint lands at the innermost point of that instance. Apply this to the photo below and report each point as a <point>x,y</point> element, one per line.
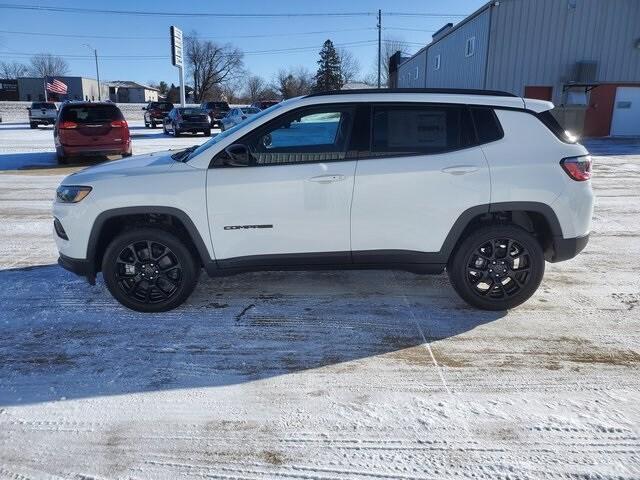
<point>40,8</point>
<point>119,37</point>
<point>16,6</point>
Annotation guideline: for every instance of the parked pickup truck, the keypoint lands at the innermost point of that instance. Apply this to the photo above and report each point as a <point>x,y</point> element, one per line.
<point>42,113</point>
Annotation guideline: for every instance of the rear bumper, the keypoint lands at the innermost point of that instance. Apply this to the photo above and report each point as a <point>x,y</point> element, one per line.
<point>43,121</point>
<point>88,150</point>
<point>567,248</point>
<point>193,126</point>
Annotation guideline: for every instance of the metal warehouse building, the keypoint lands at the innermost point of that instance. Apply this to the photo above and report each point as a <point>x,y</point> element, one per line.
<point>584,55</point>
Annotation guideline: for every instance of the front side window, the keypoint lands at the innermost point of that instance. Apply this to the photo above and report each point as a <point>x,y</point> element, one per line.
<point>306,136</point>
<point>416,130</point>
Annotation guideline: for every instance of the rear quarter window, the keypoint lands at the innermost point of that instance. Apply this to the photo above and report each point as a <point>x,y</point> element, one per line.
<point>552,124</point>
<point>487,124</point>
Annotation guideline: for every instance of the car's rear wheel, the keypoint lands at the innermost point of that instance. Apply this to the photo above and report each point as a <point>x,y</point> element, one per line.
<point>33,125</point>
<point>207,133</point>
<point>149,270</point>
<point>497,267</point>
<point>153,124</point>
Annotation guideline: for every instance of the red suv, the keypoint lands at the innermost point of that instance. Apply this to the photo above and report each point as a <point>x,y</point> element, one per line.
<point>85,128</point>
<point>155,112</point>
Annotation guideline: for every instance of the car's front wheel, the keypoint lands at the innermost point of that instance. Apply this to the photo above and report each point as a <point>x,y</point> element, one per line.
<point>149,270</point>
<point>497,267</point>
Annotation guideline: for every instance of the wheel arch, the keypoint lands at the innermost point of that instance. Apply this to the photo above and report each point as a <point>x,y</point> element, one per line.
<point>111,222</point>
<point>535,217</point>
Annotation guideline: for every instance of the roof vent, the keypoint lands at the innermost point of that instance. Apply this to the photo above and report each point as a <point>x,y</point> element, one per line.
<point>442,31</point>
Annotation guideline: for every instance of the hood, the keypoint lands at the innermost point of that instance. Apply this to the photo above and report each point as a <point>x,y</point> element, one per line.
<point>137,165</point>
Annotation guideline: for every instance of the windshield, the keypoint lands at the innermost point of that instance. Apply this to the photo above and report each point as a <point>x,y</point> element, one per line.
<point>232,130</point>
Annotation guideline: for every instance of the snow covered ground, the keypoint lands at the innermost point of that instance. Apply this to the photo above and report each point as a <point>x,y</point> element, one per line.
<point>318,375</point>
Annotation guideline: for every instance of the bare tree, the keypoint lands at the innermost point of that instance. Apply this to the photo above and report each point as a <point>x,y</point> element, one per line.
<point>211,65</point>
<point>254,87</point>
<point>45,64</point>
<point>293,82</point>
<point>349,66</point>
<point>12,70</point>
<point>390,45</point>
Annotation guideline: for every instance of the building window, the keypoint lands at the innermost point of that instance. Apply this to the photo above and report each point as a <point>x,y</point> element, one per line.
<point>436,62</point>
<point>470,47</point>
<point>417,73</point>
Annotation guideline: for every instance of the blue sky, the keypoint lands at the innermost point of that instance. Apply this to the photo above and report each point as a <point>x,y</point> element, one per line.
<point>279,33</point>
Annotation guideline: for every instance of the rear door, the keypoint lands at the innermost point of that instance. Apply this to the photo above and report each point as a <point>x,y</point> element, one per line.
<point>293,197</point>
<point>423,172</point>
<point>98,124</point>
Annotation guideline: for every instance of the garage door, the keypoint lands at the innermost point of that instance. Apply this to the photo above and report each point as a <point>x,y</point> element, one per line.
<point>626,112</point>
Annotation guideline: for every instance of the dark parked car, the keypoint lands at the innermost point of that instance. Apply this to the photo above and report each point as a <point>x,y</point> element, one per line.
<point>264,104</point>
<point>89,128</point>
<point>187,119</point>
<point>155,112</point>
<point>216,111</point>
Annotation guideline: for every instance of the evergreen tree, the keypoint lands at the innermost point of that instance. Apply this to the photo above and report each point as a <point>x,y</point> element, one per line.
<point>329,76</point>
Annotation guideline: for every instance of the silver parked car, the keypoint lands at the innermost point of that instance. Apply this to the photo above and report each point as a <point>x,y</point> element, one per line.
<point>237,115</point>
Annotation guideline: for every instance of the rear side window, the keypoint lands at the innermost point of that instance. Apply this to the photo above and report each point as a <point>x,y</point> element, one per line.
<point>487,124</point>
<point>425,129</point>
<point>91,113</point>
<point>552,124</point>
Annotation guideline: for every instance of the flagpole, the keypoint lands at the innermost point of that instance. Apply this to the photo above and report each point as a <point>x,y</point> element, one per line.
<point>46,98</point>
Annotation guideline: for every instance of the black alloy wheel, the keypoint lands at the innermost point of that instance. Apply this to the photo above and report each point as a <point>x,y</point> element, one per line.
<point>149,270</point>
<point>497,267</point>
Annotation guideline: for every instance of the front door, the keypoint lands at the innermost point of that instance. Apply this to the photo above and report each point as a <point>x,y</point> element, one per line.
<point>282,195</point>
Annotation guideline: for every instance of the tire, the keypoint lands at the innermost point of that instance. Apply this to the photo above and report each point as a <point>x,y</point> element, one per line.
<point>153,124</point>
<point>176,132</point>
<point>207,133</point>
<point>487,276</point>
<point>157,292</point>
<point>222,127</point>
<point>33,125</point>
<point>62,160</point>
<point>164,129</point>
<point>146,125</point>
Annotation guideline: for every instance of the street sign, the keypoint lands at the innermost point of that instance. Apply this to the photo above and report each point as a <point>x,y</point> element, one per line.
<point>176,46</point>
<point>176,57</point>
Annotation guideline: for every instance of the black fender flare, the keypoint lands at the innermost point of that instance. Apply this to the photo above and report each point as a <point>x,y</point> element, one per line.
<point>99,222</point>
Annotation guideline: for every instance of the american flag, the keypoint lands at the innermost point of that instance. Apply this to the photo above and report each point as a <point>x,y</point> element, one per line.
<point>56,86</point>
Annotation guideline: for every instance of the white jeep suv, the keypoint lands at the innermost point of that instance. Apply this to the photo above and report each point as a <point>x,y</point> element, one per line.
<point>483,184</point>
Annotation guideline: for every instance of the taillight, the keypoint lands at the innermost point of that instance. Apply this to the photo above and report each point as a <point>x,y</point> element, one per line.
<point>578,168</point>
<point>119,123</point>
<point>68,125</point>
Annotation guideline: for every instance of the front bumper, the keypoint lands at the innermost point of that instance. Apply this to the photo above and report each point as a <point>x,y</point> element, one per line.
<point>567,248</point>
<point>80,267</point>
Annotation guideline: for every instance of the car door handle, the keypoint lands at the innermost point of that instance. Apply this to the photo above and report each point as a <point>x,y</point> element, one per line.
<point>460,169</point>
<point>327,178</point>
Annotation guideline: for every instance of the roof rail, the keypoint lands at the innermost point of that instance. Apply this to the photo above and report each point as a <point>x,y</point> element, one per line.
<point>451,91</point>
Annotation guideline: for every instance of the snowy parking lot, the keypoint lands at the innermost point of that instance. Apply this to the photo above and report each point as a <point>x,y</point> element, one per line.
<point>316,375</point>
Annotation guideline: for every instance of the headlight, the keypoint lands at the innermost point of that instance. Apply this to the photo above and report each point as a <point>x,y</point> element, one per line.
<point>71,193</point>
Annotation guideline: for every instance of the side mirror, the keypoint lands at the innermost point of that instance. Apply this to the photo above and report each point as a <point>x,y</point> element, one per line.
<point>238,155</point>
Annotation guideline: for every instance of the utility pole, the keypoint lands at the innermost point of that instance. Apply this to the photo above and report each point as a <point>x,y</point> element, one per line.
<point>95,54</point>
<point>379,44</point>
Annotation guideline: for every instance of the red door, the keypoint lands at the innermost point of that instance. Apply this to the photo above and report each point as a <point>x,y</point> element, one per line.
<point>538,92</point>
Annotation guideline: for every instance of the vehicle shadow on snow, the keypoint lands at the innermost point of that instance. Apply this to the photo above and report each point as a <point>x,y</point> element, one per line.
<point>65,339</point>
<point>47,160</point>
